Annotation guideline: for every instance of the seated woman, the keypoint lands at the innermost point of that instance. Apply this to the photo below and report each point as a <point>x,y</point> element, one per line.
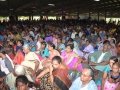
<point>60,45</point>
<point>111,80</point>
<point>52,52</point>
<point>107,66</point>
<point>19,57</point>
<point>55,77</point>
<point>44,52</point>
<point>71,59</point>
<point>32,43</point>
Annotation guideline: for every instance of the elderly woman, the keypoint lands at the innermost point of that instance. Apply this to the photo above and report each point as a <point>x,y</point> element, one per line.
<point>31,60</point>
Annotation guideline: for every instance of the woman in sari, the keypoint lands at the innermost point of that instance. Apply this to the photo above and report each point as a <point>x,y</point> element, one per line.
<point>52,52</point>
<point>19,53</point>
<point>55,77</point>
<point>71,59</point>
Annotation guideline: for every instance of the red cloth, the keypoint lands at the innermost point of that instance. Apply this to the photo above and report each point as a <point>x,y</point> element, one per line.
<point>19,58</point>
<point>11,55</point>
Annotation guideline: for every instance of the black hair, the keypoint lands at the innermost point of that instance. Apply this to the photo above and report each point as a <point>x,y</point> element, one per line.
<point>57,58</point>
<point>51,44</point>
<point>114,58</point>
<point>70,40</point>
<point>60,38</point>
<point>23,79</point>
<point>77,35</point>
<point>32,38</point>
<point>44,43</point>
<point>3,51</point>
<point>88,41</point>
<point>21,41</point>
<point>71,46</point>
<point>106,42</point>
<point>41,37</point>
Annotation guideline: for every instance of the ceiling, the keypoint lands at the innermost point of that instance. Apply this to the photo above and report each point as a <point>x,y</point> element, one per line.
<point>41,7</point>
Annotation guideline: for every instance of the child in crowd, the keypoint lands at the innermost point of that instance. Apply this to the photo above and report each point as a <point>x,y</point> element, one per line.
<point>111,80</point>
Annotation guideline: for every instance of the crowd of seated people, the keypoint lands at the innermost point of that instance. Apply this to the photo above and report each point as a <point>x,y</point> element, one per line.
<point>59,55</point>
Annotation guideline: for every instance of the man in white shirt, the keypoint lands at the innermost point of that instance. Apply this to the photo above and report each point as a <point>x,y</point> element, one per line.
<point>84,82</point>
<point>73,34</point>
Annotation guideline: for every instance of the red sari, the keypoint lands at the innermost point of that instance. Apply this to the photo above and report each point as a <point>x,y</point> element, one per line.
<point>61,79</point>
<point>19,58</point>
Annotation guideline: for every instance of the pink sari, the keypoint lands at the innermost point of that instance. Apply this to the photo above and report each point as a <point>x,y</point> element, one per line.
<point>71,61</point>
<point>110,86</point>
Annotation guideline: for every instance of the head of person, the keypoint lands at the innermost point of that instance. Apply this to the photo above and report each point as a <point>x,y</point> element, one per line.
<point>43,44</point>
<point>113,60</point>
<point>56,62</point>
<point>69,48</point>
<point>88,42</point>
<point>77,36</point>
<point>98,39</point>
<point>51,46</point>
<point>105,47</point>
<point>26,48</point>
<point>87,75</point>
<point>31,38</point>
<point>2,53</point>
<point>40,39</point>
<point>59,40</point>
<point>116,67</point>
<point>22,82</point>
<point>112,41</point>
<point>20,43</point>
<point>70,41</point>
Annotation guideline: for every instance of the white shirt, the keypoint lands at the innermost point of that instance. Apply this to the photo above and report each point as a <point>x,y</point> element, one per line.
<point>3,66</point>
<point>100,59</point>
<point>77,85</point>
<point>73,35</point>
<point>29,60</point>
<point>38,45</point>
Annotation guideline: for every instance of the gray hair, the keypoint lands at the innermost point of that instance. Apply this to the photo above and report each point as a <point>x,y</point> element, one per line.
<point>91,74</point>
<point>26,46</point>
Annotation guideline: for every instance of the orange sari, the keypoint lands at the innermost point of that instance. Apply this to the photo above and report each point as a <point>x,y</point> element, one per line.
<point>19,58</point>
